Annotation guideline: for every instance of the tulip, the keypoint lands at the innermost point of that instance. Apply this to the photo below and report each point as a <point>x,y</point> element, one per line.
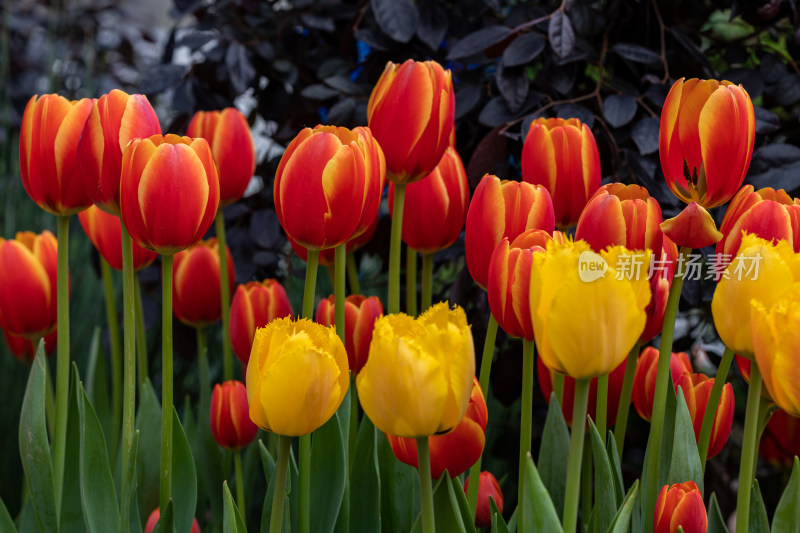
<point>562,156</point>
<point>744,364</point>
<point>255,304</point>
<point>440,204</point>
<point>696,390</point>
<point>152,520</point>
<point>24,349</point>
<point>706,140</point>
<point>28,284</point>
<point>487,487</point>
<point>195,291</point>
<point>326,257</point>
<point>410,112</point>
<point>115,119</point>
<point>360,314</point>
<point>418,377</point>
<point>169,192</point>
<point>105,232</point>
<point>48,142</point>
<point>780,441</point>
<point>644,381</point>
<point>680,505</point>
<point>228,134</point>
<point>663,271</point>
<point>692,228</point>
<point>230,416</point>
<point>297,376</point>
<point>502,209</point>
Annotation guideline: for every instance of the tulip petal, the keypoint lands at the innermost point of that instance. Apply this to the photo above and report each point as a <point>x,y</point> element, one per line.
<point>693,228</point>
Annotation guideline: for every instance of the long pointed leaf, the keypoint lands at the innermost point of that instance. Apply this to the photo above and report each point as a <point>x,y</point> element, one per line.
<point>232,520</point>
<point>71,509</point>
<point>787,514</point>
<point>605,500</point>
<point>184,477</point>
<point>166,521</point>
<point>542,515</point>
<point>6,523</point>
<point>365,481</point>
<point>328,469</point>
<point>685,464</point>
<point>622,520</point>
<point>498,524</point>
<point>148,423</point>
<point>716,524</point>
<point>554,453</point>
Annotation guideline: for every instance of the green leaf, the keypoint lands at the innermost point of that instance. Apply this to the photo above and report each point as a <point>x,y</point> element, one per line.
<point>616,467</point>
<point>685,464</point>
<point>328,469</point>
<point>97,385</point>
<point>554,454</point>
<point>231,518</point>
<point>148,423</point>
<point>446,514</point>
<point>542,515</point>
<point>663,449</point>
<point>716,524</point>
<point>133,520</point>
<point>759,522</point>
<point>98,496</point>
<point>498,524</point>
<point>605,500</point>
<point>622,520</point>
<point>166,522</point>
<point>34,448</point>
<point>6,523</point>
<point>208,457</point>
<point>184,477</point>
<point>365,482</point>
<point>290,503</point>
<point>463,506</point>
<point>343,517</point>
<point>71,508</point>
<point>399,489</point>
<point>787,514</point>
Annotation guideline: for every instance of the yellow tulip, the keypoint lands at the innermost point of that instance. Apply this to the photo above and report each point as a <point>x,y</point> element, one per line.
<point>761,270</point>
<point>297,376</point>
<point>418,376</point>
<point>588,309</point>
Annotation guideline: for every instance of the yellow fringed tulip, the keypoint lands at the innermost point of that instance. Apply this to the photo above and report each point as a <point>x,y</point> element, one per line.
<point>297,376</point>
<point>418,376</point>
<point>588,309</point>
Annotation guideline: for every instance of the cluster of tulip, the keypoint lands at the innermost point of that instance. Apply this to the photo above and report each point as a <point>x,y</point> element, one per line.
<point>573,299</point>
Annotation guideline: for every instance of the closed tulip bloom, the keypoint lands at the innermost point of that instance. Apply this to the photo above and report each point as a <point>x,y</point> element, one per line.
<point>152,520</point>
<point>28,284</point>
<point>327,256</point>
<point>48,147</point>
<point>115,119</point>
<point>169,192</point>
<point>644,380</point>
<point>680,505</point>
<point>105,232</point>
<point>562,156</point>
<point>410,112</point>
<point>663,271</point>
<point>24,349</point>
<point>611,299</point>
<point>456,451</point>
<point>228,134</point>
<point>229,417</point>
<point>706,140</point>
<point>196,289</point>
<point>360,314</point>
<point>696,390</point>
<point>502,209</point>
<point>419,375</point>
<point>780,441</point>
<point>328,185</point>
<point>255,304</point>
<point>761,270</point>
<point>297,376</point>
<point>439,204</point>
<point>487,486</point>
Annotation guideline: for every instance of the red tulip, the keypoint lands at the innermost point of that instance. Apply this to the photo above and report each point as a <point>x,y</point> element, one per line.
<point>410,112</point>
<point>680,505</point>
<point>644,380</point>
<point>662,272</point>
<point>228,134</point>
<point>327,256</point>
<point>502,209</point>
<point>455,451</point>
<point>360,314</point>
<point>439,203</point>
<point>105,232</point>
<point>169,192</point>
<point>696,390</point>
<point>255,304</point>
<point>230,416</point>
<point>115,119</point>
<point>48,148</point>
<point>152,520</point>
<point>562,156</point>
<point>24,349</point>
<point>196,297</point>
<point>692,228</point>
<point>780,442</point>
<point>487,486</point>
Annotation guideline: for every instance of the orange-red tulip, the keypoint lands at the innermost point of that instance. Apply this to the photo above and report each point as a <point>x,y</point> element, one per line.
<point>24,349</point>
<point>780,441</point>
<point>487,486</point>
<point>255,304</point>
<point>455,451</point>
<point>644,380</point>
<point>169,191</point>
<point>696,390</point>
<point>230,416</point>
<point>680,505</point>
<point>661,274</point>
<point>152,520</point>
<point>48,148</point>
<point>328,185</point>
<point>196,288</point>
<point>706,140</point>
<point>115,119</point>
<point>105,232</point>
<point>502,209</point>
<point>327,256</point>
<point>410,112</point>
<point>360,314</point>
<point>231,143</point>
<point>437,206</point>
<point>562,155</point>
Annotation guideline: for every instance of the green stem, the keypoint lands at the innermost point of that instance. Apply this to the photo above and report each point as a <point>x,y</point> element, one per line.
<point>339,289</point>
<point>166,376</point>
<point>526,417</point>
<point>625,398</point>
<point>352,274</point>
<point>586,486</point>
<point>353,436</point>
<point>427,281</point>
<point>575,455</point>
<point>749,449</point>
<point>279,490</point>
<point>558,386</point>
<point>129,370</point>
<point>141,337</point>
<point>225,293</point>
<point>116,354</point>
<point>237,461</point>
<point>49,398</point>
<point>311,284</point>
<point>411,281</point>
<point>202,368</point>
<point>62,358</point>
<point>426,490</point>
<point>711,406</point>
<point>394,249</point>
<point>602,405</point>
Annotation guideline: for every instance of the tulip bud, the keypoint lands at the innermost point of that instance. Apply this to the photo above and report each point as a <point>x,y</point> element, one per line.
<point>255,304</point>
<point>105,232</point>
<point>661,274</point>
<point>24,349</point>
<point>780,441</point>
<point>562,156</point>
<point>230,416</point>
<point>360,314</point>
<point>487,486</point>
<point>696,390</point>
<point>680,505</point>
<point>152,520</point>
<point>196,290</point>
<point>644,380</point>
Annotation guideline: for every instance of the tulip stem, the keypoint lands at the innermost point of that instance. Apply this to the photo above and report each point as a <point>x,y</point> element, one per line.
<point>749,448</point>
<point>426,490</point>
<point>625,399</point>
<point>202,370</point>
<point>394,249</point>
<point>62,358</point>
<point>237,461</point>
<point>575,460</point>
<point>558,386</point>
<point>141,337</point>
<point>279,485</point>
<point>602,405</point>
<point>116,354</point>
<point>129,371</point>
<point>526,417</point>
<point>340,260</point>
<point>225,294</point>
<point>652,460</point>
<point>713,403</point>
<point>411,281</point>
<point>586,485</point>
<point>311,284</point>
<point>427,282</point>
<point>352,274</point>
<point>166,378</point>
